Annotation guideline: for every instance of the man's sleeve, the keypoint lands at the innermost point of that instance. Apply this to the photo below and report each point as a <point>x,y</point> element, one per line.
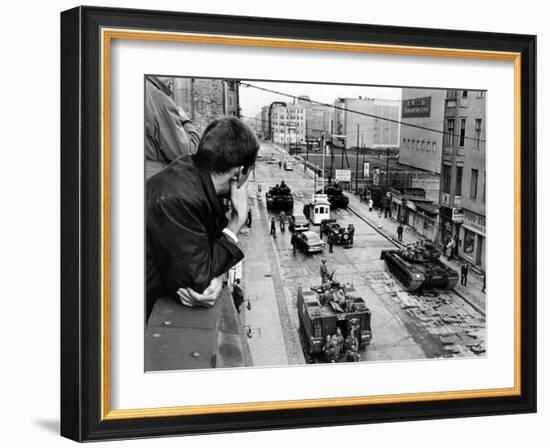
<point>177,134</point>
<point>194,259</point>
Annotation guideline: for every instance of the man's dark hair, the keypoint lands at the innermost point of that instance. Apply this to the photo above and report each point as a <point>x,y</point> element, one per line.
<point>227,143</point>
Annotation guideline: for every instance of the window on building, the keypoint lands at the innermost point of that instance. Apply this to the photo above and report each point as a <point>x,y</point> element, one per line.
<point>462,132</point>
<point>480,94</point>
<point>423,145</point>
<point>469,242</point>
<point>451,93</point>
<point>464,94</point>
<point>446,186</point>
<point>484,183</point>
<point>434,147</point>
<point>477,133</point>
<point>418,145</point>
<point>458,188</point>
<point>449,136</point>
<point>473,184</point>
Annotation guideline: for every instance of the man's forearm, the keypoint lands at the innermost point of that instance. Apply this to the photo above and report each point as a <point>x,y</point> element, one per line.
<point>236,223</point>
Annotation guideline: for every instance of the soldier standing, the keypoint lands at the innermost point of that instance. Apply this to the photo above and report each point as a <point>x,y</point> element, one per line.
<point>273,230</point>
<point>464,274</point>
<point>400,232</point>
<point>351,231</point>
<point>282,219</point>
<point>293,241</point>
<point>324,271</point>
<point>331,238</point>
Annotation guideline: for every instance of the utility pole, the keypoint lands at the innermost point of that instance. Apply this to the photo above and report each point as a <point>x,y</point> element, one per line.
<point>387,168</point>
<point>357,161</point>
<point>331,151</point>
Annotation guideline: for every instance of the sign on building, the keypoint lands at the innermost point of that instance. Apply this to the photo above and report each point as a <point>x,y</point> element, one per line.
<point>457,215</point>
<point>343,175</point>
<point>416,107</point>
<point>366,169</point>
<point>376,177</point>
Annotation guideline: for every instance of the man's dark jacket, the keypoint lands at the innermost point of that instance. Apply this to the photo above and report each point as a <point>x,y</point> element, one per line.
<point>184,222</point>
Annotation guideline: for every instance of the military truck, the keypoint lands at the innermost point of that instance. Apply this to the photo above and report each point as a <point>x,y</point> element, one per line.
<point>325,308</point>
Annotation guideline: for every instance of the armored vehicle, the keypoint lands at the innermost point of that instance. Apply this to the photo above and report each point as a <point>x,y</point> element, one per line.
<point>335,195</point>
<point>279,197</point>
<point>323,309</point>
<point>418,266</point>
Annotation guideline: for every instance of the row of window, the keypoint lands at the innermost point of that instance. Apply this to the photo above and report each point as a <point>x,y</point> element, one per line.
<point>419,145</point>
<point>451,137</point>
<point>474,181</point>
<point>464,93</point>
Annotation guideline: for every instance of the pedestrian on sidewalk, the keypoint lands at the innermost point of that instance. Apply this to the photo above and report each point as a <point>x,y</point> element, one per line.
<point>238,296</point>
<point>484,279</point>
<point>324,271</point>
<point>400,232</point>
<point>249,218</point>
<point>293,242</point>
<point>370,205</point>
<point>282,220</point>
<point>464,274</point>
<point>450,248</point>
<point>380,219</point>
<point>272,232</point>
<point>280,164</point>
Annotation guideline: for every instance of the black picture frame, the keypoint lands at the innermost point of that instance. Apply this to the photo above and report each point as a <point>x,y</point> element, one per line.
<point>81,208</point>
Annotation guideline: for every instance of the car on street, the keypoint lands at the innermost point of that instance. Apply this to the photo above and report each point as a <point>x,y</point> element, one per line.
<point>273,160</point>
<point>298,223</point>
<point>309,242</point>
<point>289,166</point>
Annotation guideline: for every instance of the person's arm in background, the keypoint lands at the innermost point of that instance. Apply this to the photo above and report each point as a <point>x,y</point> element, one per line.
<point>177,134</point>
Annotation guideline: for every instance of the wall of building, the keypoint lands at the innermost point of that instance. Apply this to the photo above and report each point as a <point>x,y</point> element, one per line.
<point>420,148</point>
<point>367,131</point>
<point>204,100</point>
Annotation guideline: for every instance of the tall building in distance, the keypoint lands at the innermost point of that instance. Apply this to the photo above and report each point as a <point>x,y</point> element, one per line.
<point>421,148</point>
<point>204,100</point>
<point>463,174</point>
<point>371,130</point>
<point>288,123</point>
<point>318,118</point>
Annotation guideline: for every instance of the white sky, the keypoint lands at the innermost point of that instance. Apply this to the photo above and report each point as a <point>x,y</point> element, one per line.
<point>251,100</point>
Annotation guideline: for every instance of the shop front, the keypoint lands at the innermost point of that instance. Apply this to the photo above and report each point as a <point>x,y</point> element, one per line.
<point>472,239</point>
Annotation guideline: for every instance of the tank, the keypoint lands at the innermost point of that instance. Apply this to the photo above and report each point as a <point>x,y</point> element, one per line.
<point>418,267</point>
<point>323,309</point>
<point>335,195</point>
<point>279,197</point>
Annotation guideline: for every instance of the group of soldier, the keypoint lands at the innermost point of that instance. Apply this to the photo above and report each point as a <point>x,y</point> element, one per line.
<point>337,348</point>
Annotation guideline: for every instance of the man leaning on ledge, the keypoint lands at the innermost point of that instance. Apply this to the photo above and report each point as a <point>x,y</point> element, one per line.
<point>190,241</point>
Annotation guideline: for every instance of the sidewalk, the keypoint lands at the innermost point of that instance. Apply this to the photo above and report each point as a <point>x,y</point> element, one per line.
<point>388,228</point>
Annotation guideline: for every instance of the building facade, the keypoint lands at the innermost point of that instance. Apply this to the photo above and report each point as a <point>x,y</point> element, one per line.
<point>288,123</point>
<point>318,118</point>
<point>463,175</point>
<point>371,130</point>
<point>421,148</point>
<point>204,100</point>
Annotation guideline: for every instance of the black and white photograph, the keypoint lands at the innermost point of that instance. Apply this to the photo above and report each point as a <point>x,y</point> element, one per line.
<point>291,223</point>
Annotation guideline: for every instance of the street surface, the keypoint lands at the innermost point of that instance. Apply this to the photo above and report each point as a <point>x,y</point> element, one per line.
<point>404,325</point>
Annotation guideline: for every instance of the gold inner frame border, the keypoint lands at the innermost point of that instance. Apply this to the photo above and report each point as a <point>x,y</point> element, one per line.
<point>107,35</point>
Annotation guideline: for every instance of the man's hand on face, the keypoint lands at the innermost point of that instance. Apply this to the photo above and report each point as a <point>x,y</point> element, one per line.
<point>239,200</point>
<point>189,297</point>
